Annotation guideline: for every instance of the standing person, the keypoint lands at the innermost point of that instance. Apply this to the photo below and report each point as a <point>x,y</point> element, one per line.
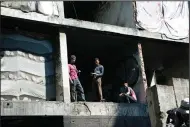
<point>76,87</point>
<point>127,95</point>
<point>97,80</point>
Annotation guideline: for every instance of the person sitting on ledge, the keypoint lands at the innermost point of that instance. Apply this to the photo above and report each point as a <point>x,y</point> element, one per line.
<point>127,95</point>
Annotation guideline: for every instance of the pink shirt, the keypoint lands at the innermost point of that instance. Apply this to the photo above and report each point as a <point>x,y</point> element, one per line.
<point>73,72</point>
<point>133,94</point>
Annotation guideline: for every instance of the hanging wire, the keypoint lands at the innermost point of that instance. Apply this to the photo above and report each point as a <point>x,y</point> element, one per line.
<point>74,9</point>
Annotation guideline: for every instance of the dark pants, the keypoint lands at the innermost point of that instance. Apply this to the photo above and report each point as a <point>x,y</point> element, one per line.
<point>77,92</point>
<point>97,88</point>
<point>126,99</point>
<point>181,119</point>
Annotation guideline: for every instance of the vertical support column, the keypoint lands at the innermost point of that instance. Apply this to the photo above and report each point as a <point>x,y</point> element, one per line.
<point>143,85</point>
<point>62,73</point>
<point>60,6</point>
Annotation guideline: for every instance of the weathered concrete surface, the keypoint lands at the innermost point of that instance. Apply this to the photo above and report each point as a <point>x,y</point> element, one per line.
<point>62,74</point>
<point>56,108</point>
<point>181,89</point>
<point>107,121</point>
<point>83,114</point>
<point>143,85</point>
<point>84,24</point>
<point>161,98</point>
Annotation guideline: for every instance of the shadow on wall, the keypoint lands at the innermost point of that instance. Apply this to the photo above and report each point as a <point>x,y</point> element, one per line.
<point>113,115</point>
<point>87,115</point>
<point>131,115</point>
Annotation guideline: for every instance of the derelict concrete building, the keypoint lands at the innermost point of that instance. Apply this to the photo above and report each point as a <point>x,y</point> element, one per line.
<point>36,43</point>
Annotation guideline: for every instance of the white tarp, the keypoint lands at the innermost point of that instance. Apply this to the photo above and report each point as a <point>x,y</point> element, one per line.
<point>26,6</point>
<point>170,18</point>
<point>44,7</point>
<point>27,70</point>
<point>47,7</point>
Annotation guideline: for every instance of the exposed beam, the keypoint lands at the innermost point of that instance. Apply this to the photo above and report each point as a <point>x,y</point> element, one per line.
<point>85,24</point>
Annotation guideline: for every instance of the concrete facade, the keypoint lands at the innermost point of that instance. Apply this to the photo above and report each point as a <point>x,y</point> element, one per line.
<point>24,108</point>
<point>181,89</point>
<point>156,95</point>
<point>162,98</point>
<point>33,16</point>
<point>81,114</point>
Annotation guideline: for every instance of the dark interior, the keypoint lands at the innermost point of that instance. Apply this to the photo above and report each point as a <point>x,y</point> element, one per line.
<point>172,56</point>
<point>83,10</point>
<point>31,121</point>
<point>111,51</point>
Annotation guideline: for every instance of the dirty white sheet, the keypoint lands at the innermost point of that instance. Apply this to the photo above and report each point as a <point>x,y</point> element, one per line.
<point>45,7</point>
<point>26,71</point>
<point>170,18</point>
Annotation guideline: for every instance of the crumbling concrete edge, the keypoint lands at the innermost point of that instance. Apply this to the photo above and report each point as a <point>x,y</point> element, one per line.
<point>154,121</point>
<point>48,108</point>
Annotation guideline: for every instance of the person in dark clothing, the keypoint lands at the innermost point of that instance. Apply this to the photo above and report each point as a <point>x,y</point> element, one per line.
<point>182,114</point>
<point>171,116</point>
<point>75,85</point>
<point>127,95</point>
<point>97,80</point>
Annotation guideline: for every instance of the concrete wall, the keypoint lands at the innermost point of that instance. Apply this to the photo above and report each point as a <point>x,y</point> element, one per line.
<point>162,98</point>
<point>181,89</point>
<point>120,13</point>
<point>80,114</point>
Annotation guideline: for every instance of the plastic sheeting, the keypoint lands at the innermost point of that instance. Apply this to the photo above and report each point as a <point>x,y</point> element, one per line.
<point>22,5</point>
<point>47,7</point>
<point>170,18</point>
<point>27,71</point>
<point>44,7</point>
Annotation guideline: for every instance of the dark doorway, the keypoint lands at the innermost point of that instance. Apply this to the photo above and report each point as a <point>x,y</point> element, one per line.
<point>109,49</point>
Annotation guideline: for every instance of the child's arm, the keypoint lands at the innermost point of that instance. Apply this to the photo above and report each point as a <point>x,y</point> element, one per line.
<point>128,93</point>
<point>121,94</point>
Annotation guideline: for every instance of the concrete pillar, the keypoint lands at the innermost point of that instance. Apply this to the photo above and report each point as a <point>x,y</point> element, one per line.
<point>60,6</point>
<point>143,85</point>
<point>62,73</point>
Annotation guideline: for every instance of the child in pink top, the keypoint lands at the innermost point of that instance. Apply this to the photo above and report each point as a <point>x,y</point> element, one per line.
<point>77,92</point>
